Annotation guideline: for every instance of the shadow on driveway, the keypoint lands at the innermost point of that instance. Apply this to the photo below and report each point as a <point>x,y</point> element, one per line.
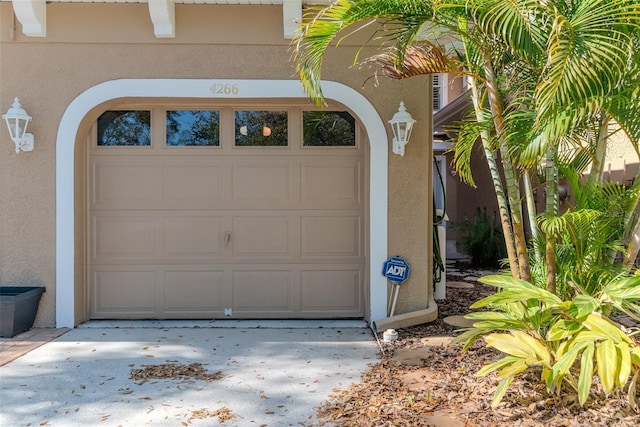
<point>270,377</point>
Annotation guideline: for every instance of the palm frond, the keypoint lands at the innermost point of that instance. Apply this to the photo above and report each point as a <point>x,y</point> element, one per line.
<point>516,23</point>
<point>585,240</point>
<point>624,107</point>
<point>518,129</point>
<point>587,52</point>
<point>415,61</point>
<point>396,21</point>
<point>466,146</point>
<point>571,164</point>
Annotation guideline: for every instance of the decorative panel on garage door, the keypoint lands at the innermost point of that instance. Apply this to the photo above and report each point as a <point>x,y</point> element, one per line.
<point>193,236</point>
<point>200,230</point>
<point>194,290</point>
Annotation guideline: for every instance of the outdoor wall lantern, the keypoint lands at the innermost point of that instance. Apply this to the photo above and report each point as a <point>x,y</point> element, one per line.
<point>401,124</point>
<point>17,120</point>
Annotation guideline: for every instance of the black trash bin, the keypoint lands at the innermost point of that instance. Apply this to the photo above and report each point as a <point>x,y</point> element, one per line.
<point>18,308</point>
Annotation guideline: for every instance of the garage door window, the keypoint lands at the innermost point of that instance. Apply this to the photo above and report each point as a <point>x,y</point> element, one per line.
<point>261,128</point>
<point>187,128</point>
<point>329,129</point>
<point>124,128</point>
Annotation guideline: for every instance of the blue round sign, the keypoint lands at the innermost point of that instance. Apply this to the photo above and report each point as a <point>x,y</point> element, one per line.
<point>396,269</point>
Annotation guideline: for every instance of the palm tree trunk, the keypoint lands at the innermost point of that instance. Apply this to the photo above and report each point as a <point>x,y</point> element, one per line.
<point>551,184</point>
<point>531,211</point>
<point>503,208</point>
<point>632,229</point>
<point>597,166</point>
<point>633,248</point>
<point>510,175</point>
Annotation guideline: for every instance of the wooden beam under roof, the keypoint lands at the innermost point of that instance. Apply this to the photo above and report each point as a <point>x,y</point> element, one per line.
<point>32,14</point>
<point>291,16</point>
<point>163,17</point>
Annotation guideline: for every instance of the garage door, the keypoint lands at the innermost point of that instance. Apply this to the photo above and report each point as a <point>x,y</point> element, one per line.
<point>207,212</point>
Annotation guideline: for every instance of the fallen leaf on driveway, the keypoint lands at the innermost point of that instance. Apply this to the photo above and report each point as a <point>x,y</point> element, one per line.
<point>223,414</point>
<point>173,371</point>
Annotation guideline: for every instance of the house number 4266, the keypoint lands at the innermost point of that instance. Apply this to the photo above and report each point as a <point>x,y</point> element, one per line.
<point>224,89</point>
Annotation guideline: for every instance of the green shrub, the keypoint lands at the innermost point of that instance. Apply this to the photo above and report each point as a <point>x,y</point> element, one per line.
<point>568,341</point>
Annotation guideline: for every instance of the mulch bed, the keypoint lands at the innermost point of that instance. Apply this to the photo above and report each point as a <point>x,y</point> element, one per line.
<point>443,390</point>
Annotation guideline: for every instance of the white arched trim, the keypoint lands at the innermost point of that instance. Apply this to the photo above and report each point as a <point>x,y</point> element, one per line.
<point>210,89</point>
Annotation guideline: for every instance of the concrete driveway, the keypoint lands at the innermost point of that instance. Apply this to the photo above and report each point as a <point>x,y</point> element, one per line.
<point>272,374</point>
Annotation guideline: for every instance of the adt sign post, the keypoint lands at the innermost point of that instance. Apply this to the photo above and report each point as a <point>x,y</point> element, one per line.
<point>396,269</point>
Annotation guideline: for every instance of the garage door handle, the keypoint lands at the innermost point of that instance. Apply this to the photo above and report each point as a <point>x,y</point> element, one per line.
<point>227,237</point>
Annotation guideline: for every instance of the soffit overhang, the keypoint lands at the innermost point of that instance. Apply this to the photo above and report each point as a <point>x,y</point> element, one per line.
<point>452,112</point>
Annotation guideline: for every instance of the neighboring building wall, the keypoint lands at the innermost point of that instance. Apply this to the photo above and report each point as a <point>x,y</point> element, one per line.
<point>621,165</point>
<point>88,44</point>
<point>463,200</point>
<point>621,162</point>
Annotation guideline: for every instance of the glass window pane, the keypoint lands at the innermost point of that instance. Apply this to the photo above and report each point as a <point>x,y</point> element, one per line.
<point>261,128</point>
<point>329,129</point>
<point>193,128</point>
<point>124,128</point>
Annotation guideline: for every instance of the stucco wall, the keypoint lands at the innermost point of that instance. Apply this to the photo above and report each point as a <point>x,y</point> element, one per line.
<point>87,44</point>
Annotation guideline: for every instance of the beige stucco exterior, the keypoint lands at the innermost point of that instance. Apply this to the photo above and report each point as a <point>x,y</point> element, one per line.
<point>89,44</point>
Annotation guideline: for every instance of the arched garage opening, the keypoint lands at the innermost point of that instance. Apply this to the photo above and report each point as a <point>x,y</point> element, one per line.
<point>66,242</point>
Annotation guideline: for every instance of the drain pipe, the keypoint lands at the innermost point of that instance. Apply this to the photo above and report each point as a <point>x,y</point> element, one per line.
<point>375,334</point>
<point>405,320</point>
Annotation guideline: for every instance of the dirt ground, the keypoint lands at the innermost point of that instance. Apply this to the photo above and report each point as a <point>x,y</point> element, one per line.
<point>421,383</point>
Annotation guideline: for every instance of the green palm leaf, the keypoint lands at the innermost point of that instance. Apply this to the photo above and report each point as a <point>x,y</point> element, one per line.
<point>514,22</point>
<point>414,61</point>
<point>586,50</point>
<point>397,21</point>
<point>466,145</point>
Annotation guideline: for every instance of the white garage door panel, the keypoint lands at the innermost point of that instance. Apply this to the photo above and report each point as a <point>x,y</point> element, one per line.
<point>194,232</point>
<point>189,237</point>
<point>323,290</point>
<point>125,184</point>
<point>331,236</point>
<point>130,237</point>
<point>262,236</point>
<point>193,292</point>
<point>193,184</point>
<point>265,291</point>
<point>128,292</point>
<point>332,183</point>
<point>259,186</point>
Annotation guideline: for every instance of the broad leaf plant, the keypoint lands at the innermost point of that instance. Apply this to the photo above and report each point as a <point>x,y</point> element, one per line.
<point>568,341</point>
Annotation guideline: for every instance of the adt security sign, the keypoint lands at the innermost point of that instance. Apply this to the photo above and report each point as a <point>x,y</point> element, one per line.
<point>396,269</point>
